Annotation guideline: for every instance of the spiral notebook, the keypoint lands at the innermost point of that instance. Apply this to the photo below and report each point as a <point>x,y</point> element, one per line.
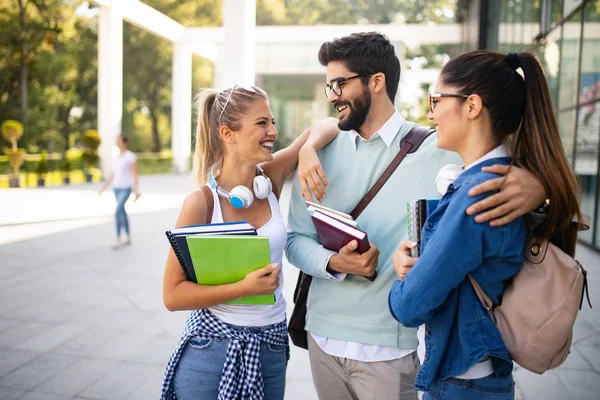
<point>417,212</point>
<point>177,237</point>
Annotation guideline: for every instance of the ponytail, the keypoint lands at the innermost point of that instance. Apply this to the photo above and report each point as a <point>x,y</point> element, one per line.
<point>538,148</point>
<point>208,145</point>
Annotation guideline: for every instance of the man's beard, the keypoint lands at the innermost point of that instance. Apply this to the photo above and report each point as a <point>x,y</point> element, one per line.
<point>357,112</point>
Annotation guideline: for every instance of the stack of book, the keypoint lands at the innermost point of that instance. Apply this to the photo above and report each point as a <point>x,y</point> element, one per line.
<point>218,254</point>
<point>336,229</point>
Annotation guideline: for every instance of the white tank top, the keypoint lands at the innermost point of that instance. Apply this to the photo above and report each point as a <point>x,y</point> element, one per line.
<point>258,315</point>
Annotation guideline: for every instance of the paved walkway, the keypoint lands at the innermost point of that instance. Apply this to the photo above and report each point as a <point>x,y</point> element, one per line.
<point>80,321</point>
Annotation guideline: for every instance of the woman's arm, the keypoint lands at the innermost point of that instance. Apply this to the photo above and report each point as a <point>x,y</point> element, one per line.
<point>106,183</point>
<point>456,248</point>
<point>312,139</point>
<point>134,174</point>
<point>520,192</point>
<point>180,294</point>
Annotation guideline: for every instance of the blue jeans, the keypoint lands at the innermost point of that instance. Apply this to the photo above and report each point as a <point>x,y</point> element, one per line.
<point>121,215</point>
<point>491,387</point>
<point>199,369</point>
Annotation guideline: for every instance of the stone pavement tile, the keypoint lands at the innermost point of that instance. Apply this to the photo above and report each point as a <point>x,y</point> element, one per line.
<point>12,359</point>
<point>50,338</point>
<point>47,311</point>
<point>92,317</point>
<point>582,330</point>
<point>299,365</point>
<point>540,387</point>
<point>38,371</point>
<point>7,323</point>
<point>575,361</point>
<point>11,302</point>
<point>22,332</point>
<point>172,322</point>
<point>151,387</point>
<point>87,343</point>
<point>44,396</point>
<point>581,385</point>
<point>123,346</point>
<point>590,350</point>
<point>120,383</point>
<point>519,393</point>
<point>300,389</point>
<point>78,377</point>
<point>122,320</point>
<point>94,296</point>
<point>7,393</point>
<point>156,352</point>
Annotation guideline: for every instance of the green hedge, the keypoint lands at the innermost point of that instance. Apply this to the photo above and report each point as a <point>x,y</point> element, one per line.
<point>148,164</point>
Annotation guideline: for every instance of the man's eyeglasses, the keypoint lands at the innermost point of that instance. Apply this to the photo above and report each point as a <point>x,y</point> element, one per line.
<point>434,98</point>
<point>337,84</point>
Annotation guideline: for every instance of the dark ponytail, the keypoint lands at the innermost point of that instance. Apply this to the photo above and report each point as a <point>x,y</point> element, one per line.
<point>524,106</point>
<point>538,147</point>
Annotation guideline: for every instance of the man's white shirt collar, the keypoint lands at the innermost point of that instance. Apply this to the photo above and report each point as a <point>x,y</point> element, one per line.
<point>388,131</point>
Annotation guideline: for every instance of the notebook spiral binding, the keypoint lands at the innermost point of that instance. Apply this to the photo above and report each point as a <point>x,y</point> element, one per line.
<point>178,255</point>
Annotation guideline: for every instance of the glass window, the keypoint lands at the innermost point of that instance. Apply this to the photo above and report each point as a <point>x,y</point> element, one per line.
<point>586,160</point>
<point>550,59</point>
<point>566,131</point>
<point>570,5</point>
<point>589,86</point>
<point>569,61</point>
<point>556,11</point>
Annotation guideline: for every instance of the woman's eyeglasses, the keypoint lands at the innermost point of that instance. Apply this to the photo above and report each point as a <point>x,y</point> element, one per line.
<point>434,98</point>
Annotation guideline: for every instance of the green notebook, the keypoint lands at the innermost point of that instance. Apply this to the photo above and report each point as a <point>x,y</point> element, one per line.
<point>222,259</point>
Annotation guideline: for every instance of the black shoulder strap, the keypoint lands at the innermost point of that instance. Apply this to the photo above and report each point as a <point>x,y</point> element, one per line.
<point>409,144</point>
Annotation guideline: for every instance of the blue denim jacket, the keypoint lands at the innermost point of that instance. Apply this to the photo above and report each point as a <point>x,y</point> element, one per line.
<point>436,292</point>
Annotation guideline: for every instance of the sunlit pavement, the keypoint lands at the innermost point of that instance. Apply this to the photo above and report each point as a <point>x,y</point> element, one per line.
<point>79,320</point>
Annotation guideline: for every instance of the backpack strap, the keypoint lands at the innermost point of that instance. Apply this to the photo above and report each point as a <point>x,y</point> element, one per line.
<point>409,144</point>
<point>210,203</point>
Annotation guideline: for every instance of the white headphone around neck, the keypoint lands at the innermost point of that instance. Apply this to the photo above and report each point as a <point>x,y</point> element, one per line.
<point>240,196</point>
<point>447,175</point>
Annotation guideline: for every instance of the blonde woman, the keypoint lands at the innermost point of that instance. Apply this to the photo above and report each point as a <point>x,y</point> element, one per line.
<point>238,351</point>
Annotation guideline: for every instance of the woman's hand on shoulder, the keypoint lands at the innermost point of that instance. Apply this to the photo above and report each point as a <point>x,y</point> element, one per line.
<point>310,174</point>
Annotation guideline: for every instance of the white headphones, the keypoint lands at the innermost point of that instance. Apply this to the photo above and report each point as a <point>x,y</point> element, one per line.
<point>447,175</point>
<point>240,196</point>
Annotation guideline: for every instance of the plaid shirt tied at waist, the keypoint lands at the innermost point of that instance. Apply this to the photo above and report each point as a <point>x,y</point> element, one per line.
<point>242,375</point>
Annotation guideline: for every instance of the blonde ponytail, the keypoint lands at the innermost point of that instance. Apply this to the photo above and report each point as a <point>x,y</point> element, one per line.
<point>208,146</point>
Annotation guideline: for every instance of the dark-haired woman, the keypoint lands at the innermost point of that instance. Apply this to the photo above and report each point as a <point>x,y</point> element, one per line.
<point>124,179</point>
<point>489,114</point>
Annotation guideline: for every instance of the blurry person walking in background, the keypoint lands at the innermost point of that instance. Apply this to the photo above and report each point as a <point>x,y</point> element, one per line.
<point>124,180</point>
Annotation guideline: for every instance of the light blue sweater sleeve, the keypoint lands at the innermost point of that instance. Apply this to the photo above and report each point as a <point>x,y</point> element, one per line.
<point>303,248</point>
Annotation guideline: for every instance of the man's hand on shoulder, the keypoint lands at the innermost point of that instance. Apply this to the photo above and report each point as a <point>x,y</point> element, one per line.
<point>350,261</point>
<point>519,192</point>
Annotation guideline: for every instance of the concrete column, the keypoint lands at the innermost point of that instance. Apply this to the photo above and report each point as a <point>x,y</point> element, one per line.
<point>181,112</point>
<point>237,64</point>
<point>110,80</point>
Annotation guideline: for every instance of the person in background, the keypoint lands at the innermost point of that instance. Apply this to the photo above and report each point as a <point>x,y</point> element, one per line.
<point>124,179</point>
<point>233,351</point>
<point>488,113</point>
